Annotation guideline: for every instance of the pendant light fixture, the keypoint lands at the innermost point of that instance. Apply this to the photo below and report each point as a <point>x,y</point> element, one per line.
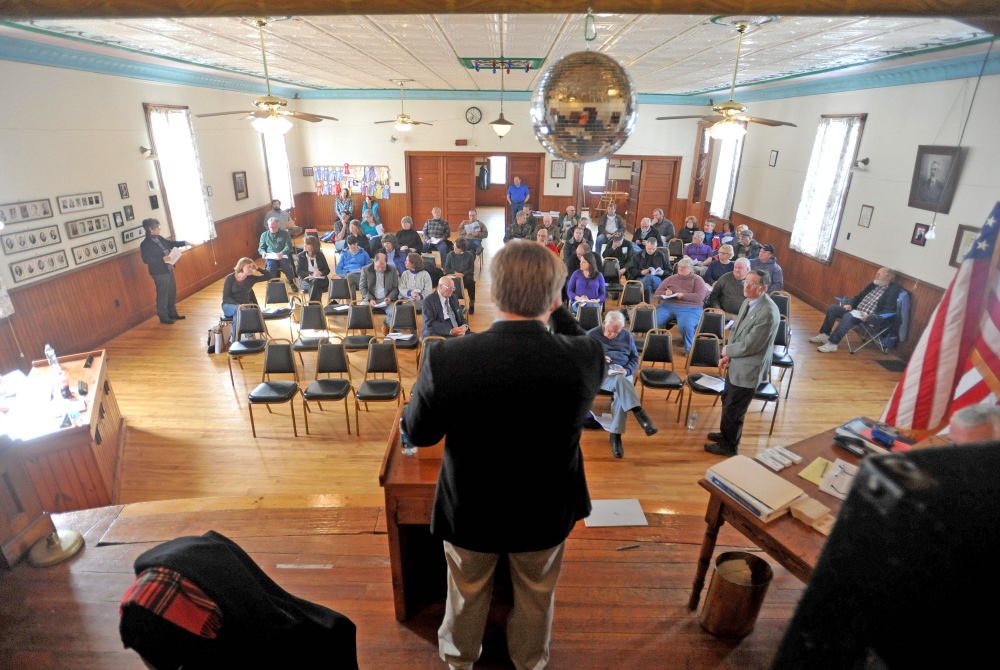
<point>501,126</point>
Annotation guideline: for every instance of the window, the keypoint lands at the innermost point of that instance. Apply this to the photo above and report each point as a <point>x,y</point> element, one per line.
<point>595,173</point>
<point>179,169</point>
<point>279,176</point>
<point>498,170</point>
<point>827,180</point>
<point>724,189</point>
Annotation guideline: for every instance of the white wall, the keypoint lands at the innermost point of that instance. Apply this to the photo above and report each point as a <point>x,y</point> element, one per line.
<point>899,119</point>
<point>75,132</point>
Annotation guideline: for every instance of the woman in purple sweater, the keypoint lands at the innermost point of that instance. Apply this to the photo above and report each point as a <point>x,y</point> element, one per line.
<point>587,283</point>
<point>682,296</point>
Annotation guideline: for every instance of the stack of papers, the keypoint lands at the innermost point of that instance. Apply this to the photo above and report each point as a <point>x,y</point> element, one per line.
<point>405,337</point>
<point>762,492</point>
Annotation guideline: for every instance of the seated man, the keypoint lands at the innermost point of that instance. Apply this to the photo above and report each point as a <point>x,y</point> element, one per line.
<point>276,250</point>
<point>352,260</point>
<point>644,231</point>
<point>879,297</point>
<point>409,239</point>
<point>746,246</point>
<point>620,251</point>
<point>521,230</point>
<point>546,223</point>
<point>623,359</point>
<point>379,282</point>
<point>568,220</point>
<point>284,219</point>
<point>436,233</point>
<point>571,253</point>
<point>975,423</point>
<point>682,297</point>
<point>768,263</point>
<point>609,223</point>
<point>583,223</point>
<point>474,231</point>
<point>727,292</point>
<point>650,267</point>
<point>442,314</point>
<point>711,239</point>
<point>664,226</point>
<point>699,252</point>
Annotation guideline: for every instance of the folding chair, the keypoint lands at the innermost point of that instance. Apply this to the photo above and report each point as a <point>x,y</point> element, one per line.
<point>705,352</point>
<point>316,292</point>
<point>331,359</point>
<point>881,333</point>
<point>278,359</point>
<point>381,361</point>
<point>404,320</point>
<point>359,318</point>
<point>783,360</point>
<point>277,294</point>
<point>460,292</point>
<point>428,342</point>
<point>612,279</point>
<point>643,321</point>
<point>713,322</point>
<point>675,248</point>
<point>658,348</point>
<point>312,319</point>
<point>767,392</point>
<point>589,315</point>
<point>248,321</point>
<point>783,300</point>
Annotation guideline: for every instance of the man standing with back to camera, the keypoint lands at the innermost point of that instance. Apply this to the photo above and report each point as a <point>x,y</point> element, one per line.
<point>503,489</point>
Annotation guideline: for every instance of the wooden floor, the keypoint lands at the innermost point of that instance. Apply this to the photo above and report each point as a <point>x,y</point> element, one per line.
<point>190,464</point>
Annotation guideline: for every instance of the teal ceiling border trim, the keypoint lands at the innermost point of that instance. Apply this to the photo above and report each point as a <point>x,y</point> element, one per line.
<point>472,95</point>
<point>40,53</point>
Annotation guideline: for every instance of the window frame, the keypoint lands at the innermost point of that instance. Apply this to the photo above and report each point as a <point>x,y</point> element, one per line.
<point>727,209</point>
<point>583,173</point>
<point>506,169</point>
<point>862,118</point>
<point>267,169</point>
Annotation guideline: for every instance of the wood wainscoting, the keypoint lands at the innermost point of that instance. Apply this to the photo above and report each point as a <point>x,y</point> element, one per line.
<point>319,211</point>
<point>80,310</point>
<point>817,283</point>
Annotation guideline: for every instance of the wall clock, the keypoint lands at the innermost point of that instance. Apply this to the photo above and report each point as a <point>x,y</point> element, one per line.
<point>473,115</point>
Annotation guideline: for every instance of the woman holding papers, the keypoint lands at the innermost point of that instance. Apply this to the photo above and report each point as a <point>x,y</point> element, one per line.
<point>312,267</point>
<point>682,296</point>
<point>587,283</point>
<point>159,256</point>
<point>238,288</point>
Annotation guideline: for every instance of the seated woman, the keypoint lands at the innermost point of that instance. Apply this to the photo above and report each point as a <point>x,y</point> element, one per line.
<point>354,228</point>
<point>414,283</point>
<point>727,234</point>
<point>238,288</point>
<point>395,258</point>
<point>368,225</point>
<point>719,267</point>
<point>682,297</point>
<point>370,206</point>
<point>688,230</point>
<point>312,267</point>
<point>462,263</point>
<point>543,238</point>
<point>587,283</point>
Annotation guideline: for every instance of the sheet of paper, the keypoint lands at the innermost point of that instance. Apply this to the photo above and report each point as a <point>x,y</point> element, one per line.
<point>815,471</point>
<point>271,256</point>
<point>471,228</point>
<point>730,324</point>
<point>712,382</point>
<point>381,304</point>
<point>662,296</point>
<point>627,512</point>
<point>605,421</point>
<point>404,337</point>
<point>174,255</point>
<point>838,479</point>
<point>856,313</point>
<point>341,308</point>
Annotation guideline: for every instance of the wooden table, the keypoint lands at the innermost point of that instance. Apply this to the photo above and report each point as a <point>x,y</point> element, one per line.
<point>76,467</point>
<point>787,540</point>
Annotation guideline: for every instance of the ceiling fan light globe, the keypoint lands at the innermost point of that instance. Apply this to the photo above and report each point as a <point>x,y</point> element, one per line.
<point>728,129</point>
<point>403,127</point>
<point>275,125</point>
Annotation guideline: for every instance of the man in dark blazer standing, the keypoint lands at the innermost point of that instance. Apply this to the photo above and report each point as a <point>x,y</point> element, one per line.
<point>441,320</point>
<point>747,359</point>
<point>503,489</point>
<point>154,250</point>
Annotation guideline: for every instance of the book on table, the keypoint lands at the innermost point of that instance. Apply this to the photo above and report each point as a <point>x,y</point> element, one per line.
<point>766,495</point>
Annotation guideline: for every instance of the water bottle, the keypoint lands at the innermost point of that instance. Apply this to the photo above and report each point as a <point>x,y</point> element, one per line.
<point>693,421</point>
<point>50,354</point>
<point>404,441</point>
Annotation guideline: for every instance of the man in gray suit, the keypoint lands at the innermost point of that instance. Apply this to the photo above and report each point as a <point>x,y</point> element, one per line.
<point>379,282</point>
<point>746,359</point>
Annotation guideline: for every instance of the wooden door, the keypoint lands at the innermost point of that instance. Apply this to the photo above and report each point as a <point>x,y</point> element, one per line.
<point>459,186</point>
<point>425,187</point>
<point>529,168</point>
<point>657,186</point>
<point>632,208</point>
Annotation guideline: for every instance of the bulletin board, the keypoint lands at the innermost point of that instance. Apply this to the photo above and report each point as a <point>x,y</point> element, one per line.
<point>361,180</point>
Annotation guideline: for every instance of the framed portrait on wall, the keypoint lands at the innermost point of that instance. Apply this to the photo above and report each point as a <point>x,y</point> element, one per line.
<point>557,170</point>
<point>123,190</point>
<point>919,234</point>
<point>935,176</point>
<point>129,212</point>
<point>964,240</point>
<point>773,160</point>
<point>240,185</point>
<point>865,220</point>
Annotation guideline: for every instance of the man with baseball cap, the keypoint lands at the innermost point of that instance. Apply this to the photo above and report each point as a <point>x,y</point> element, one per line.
<point>767,262</point>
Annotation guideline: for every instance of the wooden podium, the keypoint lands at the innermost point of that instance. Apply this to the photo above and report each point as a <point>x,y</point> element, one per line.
<point>23,520</point>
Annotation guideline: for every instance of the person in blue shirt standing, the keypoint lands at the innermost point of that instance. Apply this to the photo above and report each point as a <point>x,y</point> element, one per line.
<point>517,195</point>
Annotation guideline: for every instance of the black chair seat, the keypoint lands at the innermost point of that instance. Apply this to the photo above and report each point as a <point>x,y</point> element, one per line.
<point>272,392</point>
<point>766,391</point>
<point>330,311</point>
<point>379,310</point>
<point>660,379</point>
<point>276,313</point>
<point>379,389</point>
<point>225,319</point>
<point>328,389</point>
<point>411,343</point>
<point>781,360</point>
<point>243,347</point>
<point>356,342</point>
<point>308,343</point>
<point>694,381</point>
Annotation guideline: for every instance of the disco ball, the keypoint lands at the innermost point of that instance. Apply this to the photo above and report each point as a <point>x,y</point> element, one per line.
<point>584,107</point>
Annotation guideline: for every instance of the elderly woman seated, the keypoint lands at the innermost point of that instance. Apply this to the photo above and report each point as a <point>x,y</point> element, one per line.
<point>682,296</point>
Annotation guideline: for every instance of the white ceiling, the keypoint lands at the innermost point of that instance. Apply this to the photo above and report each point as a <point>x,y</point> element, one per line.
<point>667,54</point>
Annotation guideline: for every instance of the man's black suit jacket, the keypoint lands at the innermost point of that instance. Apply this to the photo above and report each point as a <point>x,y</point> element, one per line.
<point>434,320</point>
<point>507,484</point>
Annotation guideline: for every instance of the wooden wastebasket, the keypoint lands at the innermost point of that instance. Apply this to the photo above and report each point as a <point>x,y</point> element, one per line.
<point>735,594</point>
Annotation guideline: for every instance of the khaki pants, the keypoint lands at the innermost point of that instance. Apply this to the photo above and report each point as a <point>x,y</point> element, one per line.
<point>470,586</point>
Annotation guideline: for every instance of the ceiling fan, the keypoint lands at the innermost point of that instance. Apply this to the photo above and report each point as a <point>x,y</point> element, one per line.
<point>729,117</point>
<point>270,117</point>
<point>403,121</point>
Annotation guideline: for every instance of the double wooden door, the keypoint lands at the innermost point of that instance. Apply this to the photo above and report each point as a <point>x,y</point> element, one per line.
<point>445,180</point>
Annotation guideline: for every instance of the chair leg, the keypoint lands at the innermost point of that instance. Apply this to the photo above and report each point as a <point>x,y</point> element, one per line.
<point>295,429</point>
<point>357,419</point>
<point>252,426</point>
<point>774,416</point>
<point>680,396</point>
<point>305,412</point>
<point>347,415</point>
<point>790,377</point>
<point>642,393</point>
<point>688,412</point>
<point>229,359</point>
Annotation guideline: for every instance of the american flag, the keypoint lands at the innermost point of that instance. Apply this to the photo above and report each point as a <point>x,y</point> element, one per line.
<point>957,361</point>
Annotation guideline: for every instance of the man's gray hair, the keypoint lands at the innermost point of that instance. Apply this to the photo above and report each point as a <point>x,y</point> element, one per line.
<point>614,317</point>
<point>975,416</point>
<point>891,273</point>
<point>743,261</point>
<point>698,236</point>
<point>685,263</point>
<point>646,220</point>
<point>765,277</point>
<point>443,279</point>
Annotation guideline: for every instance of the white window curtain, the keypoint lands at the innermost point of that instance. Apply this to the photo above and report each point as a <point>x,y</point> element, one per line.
<point>825,188</point>
<point>724,189</point>
<point>180,170</point>
<point>279,175</point>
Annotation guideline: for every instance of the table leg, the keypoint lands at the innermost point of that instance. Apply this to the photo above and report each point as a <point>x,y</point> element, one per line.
<point>713,517</point>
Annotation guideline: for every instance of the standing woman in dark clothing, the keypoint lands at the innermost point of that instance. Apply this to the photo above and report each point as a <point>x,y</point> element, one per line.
<point>462,264</point>
<point>154,250</point>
